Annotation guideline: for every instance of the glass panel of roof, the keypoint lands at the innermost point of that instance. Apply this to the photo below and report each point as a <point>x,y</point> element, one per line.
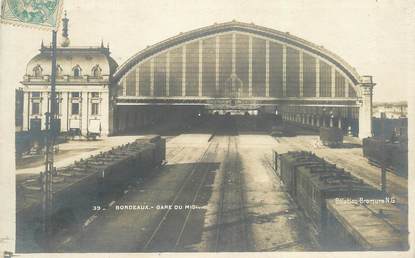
<point>160,75</point>
<point>340,85</point>
<point>309,75</point>
<point>225,64</point>
<point>209,67</point>
<point>130,83</point>
<point>192,69</point>
<point>242,63</point>
<point>176,68</point>
<point>325,79</point>
<point>293,72</point>
<point>144,71</point>
<point>258,67</point>
<point>275,69</point>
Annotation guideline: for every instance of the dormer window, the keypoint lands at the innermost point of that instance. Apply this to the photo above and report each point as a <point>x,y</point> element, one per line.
<point>59,70</point>
<point>96,71</point>
<point>37,71</point>
<point>76,71</point>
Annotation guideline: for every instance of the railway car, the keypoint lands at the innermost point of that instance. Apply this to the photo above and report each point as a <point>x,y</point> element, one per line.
<point>276,162</point>
<point>105,174</point>
<point>316,185</point>
<point>331,136</point>
<point>382,227</point>
<point>313,182</point>
<point>90,182</point>
<point>159,150</point>
<point>288,163</point>
<point>137,159</point>
<point>394,154</point>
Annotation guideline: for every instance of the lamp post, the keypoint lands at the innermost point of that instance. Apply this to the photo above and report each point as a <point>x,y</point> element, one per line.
<point>47,176</point>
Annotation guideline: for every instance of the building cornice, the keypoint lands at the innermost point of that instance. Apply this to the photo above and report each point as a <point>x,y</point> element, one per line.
<point>84,50</point>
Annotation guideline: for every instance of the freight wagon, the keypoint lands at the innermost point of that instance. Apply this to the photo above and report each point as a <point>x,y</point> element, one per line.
<point>381,226</point>
<point>317,184</point>
<point>331,136</point>
<point>313,183</point>
<point>288,163</point>
<point>90,182</point>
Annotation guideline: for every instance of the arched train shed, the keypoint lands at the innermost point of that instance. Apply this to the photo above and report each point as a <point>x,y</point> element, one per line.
<point>240,65</point>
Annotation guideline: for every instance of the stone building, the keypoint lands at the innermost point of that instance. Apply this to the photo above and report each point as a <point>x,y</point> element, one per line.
<point>82,85</point>
<point>391,110</point>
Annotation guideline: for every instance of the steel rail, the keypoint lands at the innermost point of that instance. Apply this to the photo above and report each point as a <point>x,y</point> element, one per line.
<point>190,210</point>
<point>176,196</point>
<point>243,217</point>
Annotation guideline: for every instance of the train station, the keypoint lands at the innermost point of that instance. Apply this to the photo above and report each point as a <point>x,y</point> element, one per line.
<point>237,67</point>
<point>231,137</point>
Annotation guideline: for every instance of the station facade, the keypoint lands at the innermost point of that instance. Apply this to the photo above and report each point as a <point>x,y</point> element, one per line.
<point>83,82</point>
<point>244,66</point>
<point>228,66</point>
<point>82,85</point>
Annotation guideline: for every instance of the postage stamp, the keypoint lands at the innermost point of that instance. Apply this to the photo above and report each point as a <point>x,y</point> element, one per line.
<point>34,13</point>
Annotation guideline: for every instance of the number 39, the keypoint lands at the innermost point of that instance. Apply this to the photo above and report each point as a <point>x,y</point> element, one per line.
<point>96,208</point>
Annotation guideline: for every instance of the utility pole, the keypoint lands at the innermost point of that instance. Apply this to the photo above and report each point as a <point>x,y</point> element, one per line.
<point>47,175</point>
<point>383,161</point>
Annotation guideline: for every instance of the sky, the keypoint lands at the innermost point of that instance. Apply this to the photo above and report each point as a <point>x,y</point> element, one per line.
<point>375,37</point>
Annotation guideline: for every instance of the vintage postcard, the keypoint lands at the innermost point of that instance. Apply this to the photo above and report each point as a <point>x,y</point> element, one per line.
<point>213,128</point>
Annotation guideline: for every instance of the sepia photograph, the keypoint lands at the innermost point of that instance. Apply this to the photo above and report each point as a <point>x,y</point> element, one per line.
<point>184,127</point>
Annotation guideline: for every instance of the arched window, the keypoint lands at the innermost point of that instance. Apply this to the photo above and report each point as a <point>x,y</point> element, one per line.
<point>37,71</point>
<point>77,71</point>
<point>59,70</point>
<point>96,71</point>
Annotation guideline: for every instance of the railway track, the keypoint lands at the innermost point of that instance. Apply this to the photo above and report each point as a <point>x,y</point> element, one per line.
<point>225,226</point>
<point>168,234</point>
<point>179,242</point>
<point>171,153</point>
<point>232,227</point>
